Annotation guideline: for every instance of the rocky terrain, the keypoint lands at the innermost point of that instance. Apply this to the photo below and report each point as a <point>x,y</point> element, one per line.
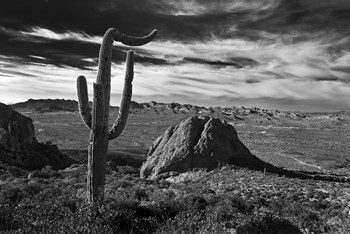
<point>20,148</point>
<point>219,200</point>
<point>302,141</point>
<point>54,105</point>
<point>46,105</point>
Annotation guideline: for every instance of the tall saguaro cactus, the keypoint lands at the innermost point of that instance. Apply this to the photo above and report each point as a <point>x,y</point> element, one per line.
<point>98,119</point>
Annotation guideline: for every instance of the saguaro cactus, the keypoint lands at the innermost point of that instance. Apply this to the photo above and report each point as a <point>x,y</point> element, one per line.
<point>98,120</point>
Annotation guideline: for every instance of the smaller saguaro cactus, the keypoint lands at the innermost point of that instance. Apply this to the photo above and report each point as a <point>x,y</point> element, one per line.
<point>98,119</point>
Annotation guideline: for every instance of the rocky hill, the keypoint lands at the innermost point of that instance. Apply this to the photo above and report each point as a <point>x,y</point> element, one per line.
<point>239,113</point>
<point>19,147</point>
<point>46,105</point>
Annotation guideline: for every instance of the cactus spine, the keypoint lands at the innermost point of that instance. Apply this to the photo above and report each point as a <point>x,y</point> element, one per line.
<point>98,119</point>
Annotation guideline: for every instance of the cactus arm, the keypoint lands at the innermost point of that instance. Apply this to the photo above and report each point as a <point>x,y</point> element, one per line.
<point>83,101</point>
<point>135,41</point>
<point>97,150</point>
<point>105,57</point>
<point>120,122</point>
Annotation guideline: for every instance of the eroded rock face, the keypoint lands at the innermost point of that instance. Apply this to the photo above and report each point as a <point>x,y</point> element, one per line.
<point>18,146</point>
<point>198,143</point>
<point>15,129</point>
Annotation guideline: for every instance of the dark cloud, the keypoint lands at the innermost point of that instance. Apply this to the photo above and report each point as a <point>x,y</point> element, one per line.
<point>187,79</point>
<point>138,17</point>
<point>61,53</point>
<point>345,69</point>
<point>274,75</point>
<point>233,62</point>
<point>58,53</point>
<point>193,79</point>
<point>331,79</point>
<point>311,15</point>
<point>252,81</point>
<point>92,17</point>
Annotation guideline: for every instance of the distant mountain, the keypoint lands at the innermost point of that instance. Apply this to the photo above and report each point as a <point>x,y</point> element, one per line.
<point>240,113</point>
<point>47,105</point>
<point>237,112</point>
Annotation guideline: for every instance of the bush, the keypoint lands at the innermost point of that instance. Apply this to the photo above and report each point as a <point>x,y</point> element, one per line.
<point>194,222</point>
<point>29,208</point>
<point>268,224</point>
<point>45,173</point>
<point>6,218</point>
<point>16,193</point>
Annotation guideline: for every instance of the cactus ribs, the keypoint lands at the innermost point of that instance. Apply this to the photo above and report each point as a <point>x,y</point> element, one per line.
<point>98,119</point>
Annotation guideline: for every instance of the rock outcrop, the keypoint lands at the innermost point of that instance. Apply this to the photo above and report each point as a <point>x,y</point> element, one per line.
<point>15,129</point>
<point>19,147</point>
<point>198,142</point>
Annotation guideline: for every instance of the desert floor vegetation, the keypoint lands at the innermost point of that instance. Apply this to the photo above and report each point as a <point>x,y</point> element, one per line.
<point>228,199</point>
<point>218,201</point>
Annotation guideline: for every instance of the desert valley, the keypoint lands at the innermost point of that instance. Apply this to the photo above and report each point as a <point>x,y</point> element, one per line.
<point>310,192</point>
<point>248,132</point>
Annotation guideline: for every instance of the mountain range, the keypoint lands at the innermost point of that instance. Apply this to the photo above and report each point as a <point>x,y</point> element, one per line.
<point>54,105</point>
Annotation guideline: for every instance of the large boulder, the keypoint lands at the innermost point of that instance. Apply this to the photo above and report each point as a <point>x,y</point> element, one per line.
<point>198,142</point>
<point>18,146</point>
<point>15,129</point>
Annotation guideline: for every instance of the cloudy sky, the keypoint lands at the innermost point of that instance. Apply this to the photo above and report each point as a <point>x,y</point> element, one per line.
<point>276,54</point>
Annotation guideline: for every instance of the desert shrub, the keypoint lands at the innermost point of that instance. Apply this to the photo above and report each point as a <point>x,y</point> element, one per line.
<point>15,193</point>
<point>226,206</point>
<point>268,224</point>
<point>123,158</point>
<point>138,206</point>
<point>194,202</point>
<point>166,209</point>
<point>127,216</point>
<point>11,195</point>
<point>55,108</point>
<point>320,204</point>
<point>57,216</point>
<point>305,218</point>
<point>16,172</point>
<point>45,173</point>
<point>184,222</point>
<point>51,211</point>
<point>6,218</point>
<point>339,224</point>
<point>128,170</point>
<point>121,183</point>
<point>140,194</point>
<point>194,222</point>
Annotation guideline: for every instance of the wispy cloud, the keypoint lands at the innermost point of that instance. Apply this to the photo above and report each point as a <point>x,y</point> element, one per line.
<point>48,34</point>
<point>195,7</point>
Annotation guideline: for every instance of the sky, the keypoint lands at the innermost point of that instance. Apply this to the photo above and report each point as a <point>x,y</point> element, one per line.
<point>274,54</point>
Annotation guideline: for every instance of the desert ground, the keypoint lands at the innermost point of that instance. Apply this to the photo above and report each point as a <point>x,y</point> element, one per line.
<point>198,201</point>
<point>313,142</point>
